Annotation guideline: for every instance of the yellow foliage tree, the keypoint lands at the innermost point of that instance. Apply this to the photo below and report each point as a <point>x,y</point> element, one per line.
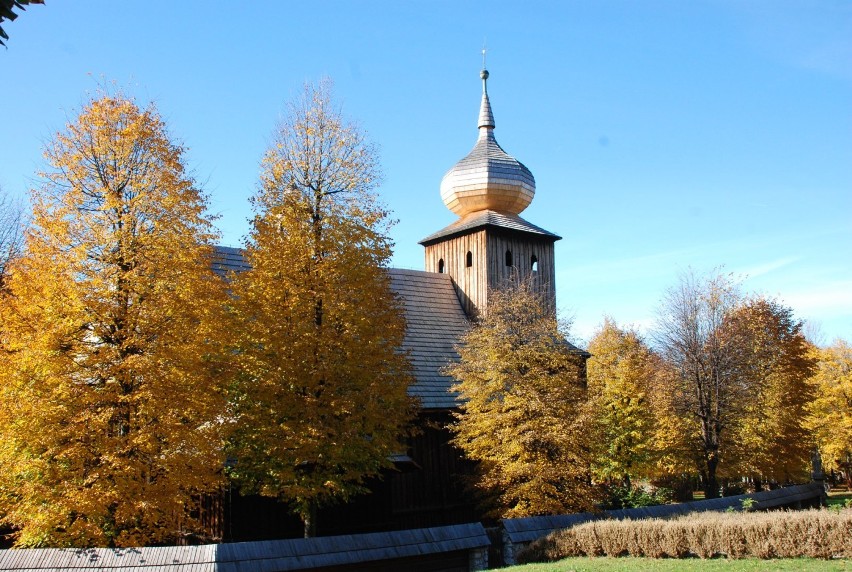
<point>322,399</point>
<point>830,414</point>
<point>621,373</point>
<point>523,416</point>
<point>677,439</point>
<point>110,411</point>
<point>770,439</point>
<point>702,363</point>
<point>737,371</point>
<point>11,232</point>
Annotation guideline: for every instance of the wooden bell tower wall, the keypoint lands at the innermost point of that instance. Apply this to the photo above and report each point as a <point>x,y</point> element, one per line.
<point>470,281</point>
<point>488,266</point>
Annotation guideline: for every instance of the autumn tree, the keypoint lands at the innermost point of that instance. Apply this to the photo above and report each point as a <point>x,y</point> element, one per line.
<point>677,444</point>
<point>11,232</point>
<point>703,385</point>
<point>522,416</point>
<point>770,440</point>
<point>830,413</point>
<point>110,409</point>
<point>621,373</point>
<point>322,400</point>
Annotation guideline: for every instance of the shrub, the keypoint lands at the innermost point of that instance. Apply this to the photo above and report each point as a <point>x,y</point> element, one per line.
<point>616,497</point>
<point>809,533</point>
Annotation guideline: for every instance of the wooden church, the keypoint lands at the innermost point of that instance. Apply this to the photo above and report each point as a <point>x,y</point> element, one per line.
<point>488,245</point>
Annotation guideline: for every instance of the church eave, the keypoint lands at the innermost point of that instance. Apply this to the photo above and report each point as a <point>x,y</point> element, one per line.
<point>489,219</point>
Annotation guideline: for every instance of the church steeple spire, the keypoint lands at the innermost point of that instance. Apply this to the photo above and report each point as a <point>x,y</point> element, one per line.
<point>486,117</point>
<point>490,244</point>
<point>488,178</point>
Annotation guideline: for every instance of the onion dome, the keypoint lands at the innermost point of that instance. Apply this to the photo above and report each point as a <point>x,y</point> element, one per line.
<point>488,178</point>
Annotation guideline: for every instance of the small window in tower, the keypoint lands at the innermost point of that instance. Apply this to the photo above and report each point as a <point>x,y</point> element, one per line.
<point>441,266</point>
<point>469,259</point>
<point>534,263</point>
<point>508,258</point>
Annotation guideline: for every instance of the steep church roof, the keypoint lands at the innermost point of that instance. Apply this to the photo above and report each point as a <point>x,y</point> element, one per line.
<point>434,318</point>
<point>435,321</point>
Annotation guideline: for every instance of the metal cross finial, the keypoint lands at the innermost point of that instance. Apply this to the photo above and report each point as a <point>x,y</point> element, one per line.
<point>484,73</point>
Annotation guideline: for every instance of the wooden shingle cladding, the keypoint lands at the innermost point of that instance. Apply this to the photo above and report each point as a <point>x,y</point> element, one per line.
<point>435,322</point>
<point>148,559</point>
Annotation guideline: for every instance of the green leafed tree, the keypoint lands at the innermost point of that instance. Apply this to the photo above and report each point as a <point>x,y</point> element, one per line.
<point>621,373</point>
<point>523,416</point>
<point>322,399</point>
<point>111,409</point>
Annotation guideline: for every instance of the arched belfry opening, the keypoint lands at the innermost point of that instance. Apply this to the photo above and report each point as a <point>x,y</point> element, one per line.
<point>441,266</point>
<point>488,189</point>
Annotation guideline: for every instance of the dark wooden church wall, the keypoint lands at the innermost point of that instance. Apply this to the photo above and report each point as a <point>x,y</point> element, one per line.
<point>435,495</point>
<point>431,495</point>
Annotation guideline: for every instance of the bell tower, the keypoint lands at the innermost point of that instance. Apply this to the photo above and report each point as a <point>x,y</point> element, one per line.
<point>490,245</point>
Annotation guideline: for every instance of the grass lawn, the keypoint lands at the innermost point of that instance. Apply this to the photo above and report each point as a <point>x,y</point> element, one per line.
<point>839,498</point>
<point>628,564</point>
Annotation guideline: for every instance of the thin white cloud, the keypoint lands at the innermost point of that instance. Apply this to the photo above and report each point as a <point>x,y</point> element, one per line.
<point>832,298</point>
<point>766,268</point>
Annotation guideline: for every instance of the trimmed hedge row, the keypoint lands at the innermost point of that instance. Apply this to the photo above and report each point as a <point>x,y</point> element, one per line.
<point>808,533</point>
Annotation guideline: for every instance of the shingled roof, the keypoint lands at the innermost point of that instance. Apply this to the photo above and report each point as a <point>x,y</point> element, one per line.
<point>489,218</point>
<point>434,319</point>
<point>227,259</point>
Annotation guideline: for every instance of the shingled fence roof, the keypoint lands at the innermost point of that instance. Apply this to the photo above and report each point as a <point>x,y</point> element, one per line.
<point>347,552</point>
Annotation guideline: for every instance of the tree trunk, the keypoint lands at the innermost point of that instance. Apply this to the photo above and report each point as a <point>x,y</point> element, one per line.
<point>711,483</point>
<point>309,519</point>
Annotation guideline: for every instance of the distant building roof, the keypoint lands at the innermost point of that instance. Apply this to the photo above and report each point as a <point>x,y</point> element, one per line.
<point>489,218</point>
<point>227,259</point>
<point>435,321</point>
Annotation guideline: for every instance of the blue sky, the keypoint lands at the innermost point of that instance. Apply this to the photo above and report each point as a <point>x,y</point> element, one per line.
<point>663,135</point>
